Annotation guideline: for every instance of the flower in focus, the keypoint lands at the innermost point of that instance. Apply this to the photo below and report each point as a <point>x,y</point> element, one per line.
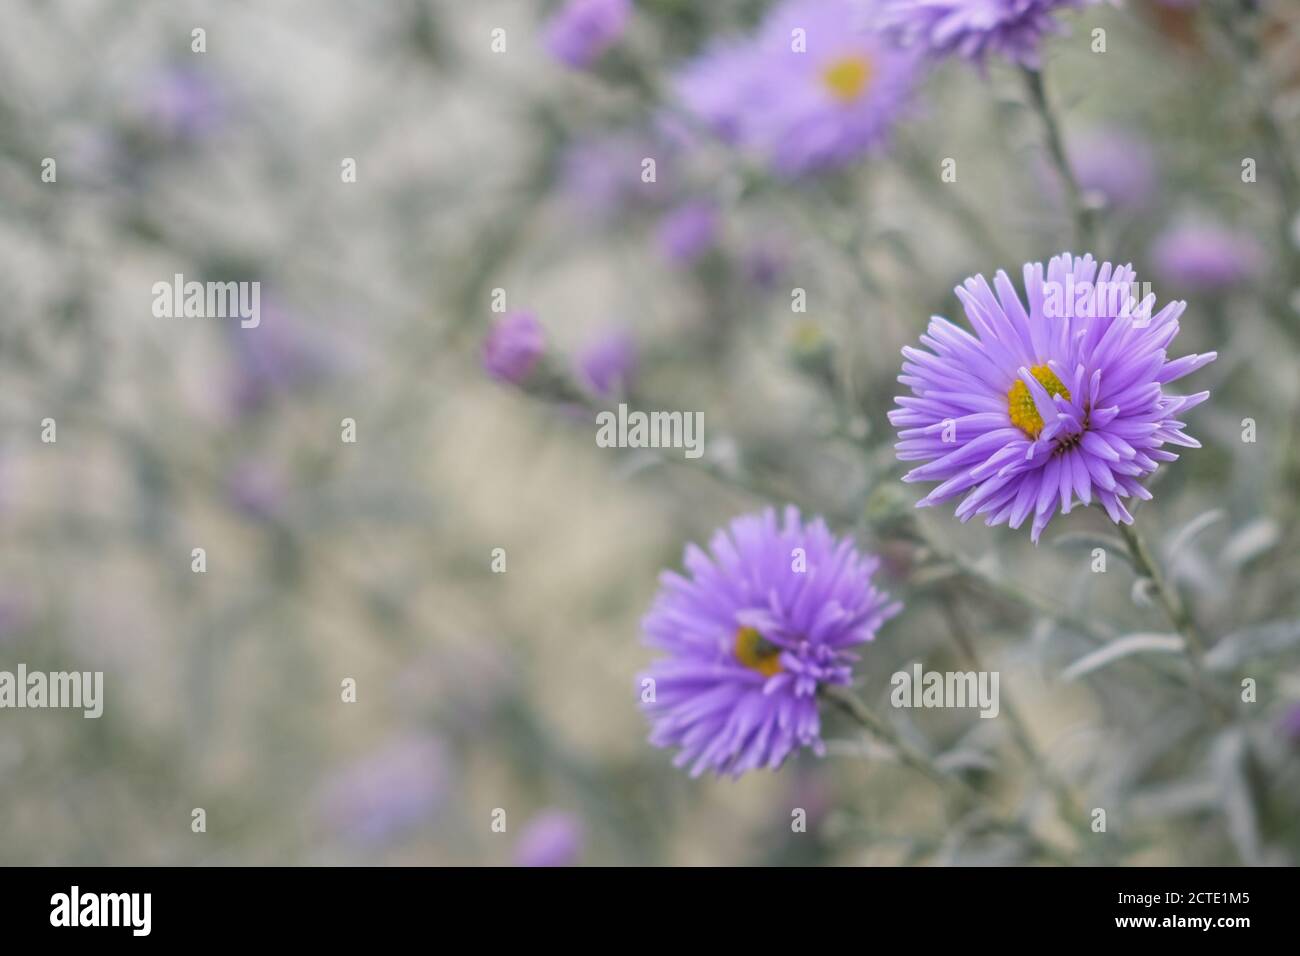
<point>387,793</point>
<point>689,231</point>
<point>1043,406</point>
<point>1117,165</point>
<point>765,619</point>
<point>1205,257</point>
<point>977,29</point>
<point>513,347</point>
<point>584,29</point>
<point>815,89</point>
<point>607,363</point>
<point>553,838</point>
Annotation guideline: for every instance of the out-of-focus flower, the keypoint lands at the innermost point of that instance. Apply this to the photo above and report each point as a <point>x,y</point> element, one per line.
<point>1290,724</point>
<point>603,176</point>
<point>1117,165</point>
<point>388,792</point>
<point>552,838</point>
<point>689,231</point>
<point>255,489</point>
<point>762,265</point>
<point>513,347</point>
<point>763,622</point>
<point>606,364</point>
<point>14,616</point>
<point>815,89</point>
<point>584,29</point>
<point>1205,256</point>
<point>1064,400</point>
<point>182,104</point>
<point>977,29</point>
<point>276,357</point>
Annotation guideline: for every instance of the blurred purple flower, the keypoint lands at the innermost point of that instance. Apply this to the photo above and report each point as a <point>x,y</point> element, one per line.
<point>277,356</point>
<point>606,364</point>
<point>762,623</point>
<point>255,489</point>
<point>513,347</point>
<point>1290,724</point>
<point>977,29</point>
<point>183,104</point>
<point>1119,165</point>
<point>1205,257</point>
<point>394,789</point>
<point>815,89</point>
<point>762,265</point>
<point>1066,399</point>
<point>15,615</point>
<point>584,29</point>
<point>603,176</point>
<point>552,838</point>
<point>689,231</point>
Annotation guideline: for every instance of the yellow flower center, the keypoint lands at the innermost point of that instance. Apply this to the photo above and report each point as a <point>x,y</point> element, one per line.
<point>756,653</point>
<point>1020,401</point>
<point>847,77</point>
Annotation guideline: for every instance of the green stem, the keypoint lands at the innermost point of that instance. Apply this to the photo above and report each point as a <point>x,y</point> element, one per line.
<point>1176,610</point>
<point>907,755</point>
<point>1084,220</point>
<point>962,792</point>
<point>1066,805</point>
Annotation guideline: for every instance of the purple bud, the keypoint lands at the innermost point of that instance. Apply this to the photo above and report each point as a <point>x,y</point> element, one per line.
<point>513,347</point>
<point>584,29</point>
<point>689,231</point>
<point>607,363</point>
<point>552,838</point>
<point>1205,257</point>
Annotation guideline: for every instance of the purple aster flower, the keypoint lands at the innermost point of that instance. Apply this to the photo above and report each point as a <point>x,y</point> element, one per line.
<point>1064,400</point>
<point>553,838</point>
<point>1115,164</point>
<point>276,357</point>
<point>388,792</point>
<point>607,363</point>
<point>602,176</point>
<point>1290,724</point>
<point>584,29</point>
<point>183,104</point>
<point>1205,257</point>
<point>815,89</point>
<point>761,624</point>
<point>513,347</point>
<point>976,29</point>
<point>256,490</point>
<point>689,231</point>
<point>762,264</point>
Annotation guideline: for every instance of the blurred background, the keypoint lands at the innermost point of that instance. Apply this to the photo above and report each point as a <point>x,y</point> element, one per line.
<point>506,175</point>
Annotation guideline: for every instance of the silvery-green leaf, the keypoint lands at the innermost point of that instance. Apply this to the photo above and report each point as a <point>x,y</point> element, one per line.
<point>1175,799</point>
<point>1121,648</point>
<point>965,758</point>
<point>1089,540</point>
<point>1271,638</point>
<point>1250,542</point>
<point>1229,759</point>
<point>1188,532</point>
